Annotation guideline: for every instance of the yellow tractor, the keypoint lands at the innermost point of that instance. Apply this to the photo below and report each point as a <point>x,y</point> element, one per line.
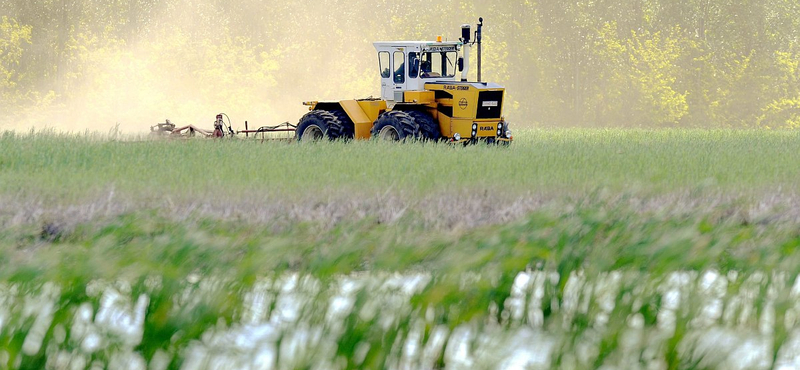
<point>421,98</point>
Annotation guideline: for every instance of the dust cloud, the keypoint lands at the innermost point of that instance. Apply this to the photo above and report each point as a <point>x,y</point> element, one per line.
<point>190,60</point>
<point>104,64</point>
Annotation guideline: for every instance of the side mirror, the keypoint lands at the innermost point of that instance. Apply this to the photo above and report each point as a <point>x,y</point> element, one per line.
<point>460,64</point>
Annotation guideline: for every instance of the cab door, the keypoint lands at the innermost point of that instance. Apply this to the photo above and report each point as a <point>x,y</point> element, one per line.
<point>387,87</point>
<point>399,78</point>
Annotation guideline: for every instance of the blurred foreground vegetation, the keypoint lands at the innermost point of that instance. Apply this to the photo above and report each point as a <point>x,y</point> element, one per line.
<point>655,63</point>
<point>571,286</point>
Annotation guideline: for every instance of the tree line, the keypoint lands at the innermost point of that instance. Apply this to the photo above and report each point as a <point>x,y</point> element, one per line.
<point>598,63</point>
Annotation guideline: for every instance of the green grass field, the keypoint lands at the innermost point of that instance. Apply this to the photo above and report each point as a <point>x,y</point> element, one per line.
<point>559,162</point>
<point>577,241</point>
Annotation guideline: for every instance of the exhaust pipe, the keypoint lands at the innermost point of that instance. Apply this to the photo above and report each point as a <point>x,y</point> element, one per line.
<point>465,39</point>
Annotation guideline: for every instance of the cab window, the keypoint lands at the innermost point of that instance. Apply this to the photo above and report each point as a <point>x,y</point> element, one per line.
<point>383,64</point>
<point>438,64</point>
<point>400,67</point>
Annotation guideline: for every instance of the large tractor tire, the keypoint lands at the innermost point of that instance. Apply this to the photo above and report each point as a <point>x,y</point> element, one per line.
<point>316,125</point>
<point>395,126</point>
<point>346,130</point>
<point>428,129</point>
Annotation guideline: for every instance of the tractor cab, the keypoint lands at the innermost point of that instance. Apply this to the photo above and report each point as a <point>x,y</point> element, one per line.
<point>409,65</point>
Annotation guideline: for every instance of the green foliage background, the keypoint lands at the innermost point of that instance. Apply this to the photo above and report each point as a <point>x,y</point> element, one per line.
<point>640,63</point>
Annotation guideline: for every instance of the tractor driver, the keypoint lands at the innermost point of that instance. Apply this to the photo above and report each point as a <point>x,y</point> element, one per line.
<point>426,69</point>
<point>399,72</point>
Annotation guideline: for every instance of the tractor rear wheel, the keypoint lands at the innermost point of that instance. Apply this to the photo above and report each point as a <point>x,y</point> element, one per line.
<point>347,129</point>
<point>316,125</point>
<point>395,126</point>
<point>428,129</point>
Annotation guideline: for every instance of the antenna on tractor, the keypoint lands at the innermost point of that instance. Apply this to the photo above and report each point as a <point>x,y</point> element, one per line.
<point>478,38</point>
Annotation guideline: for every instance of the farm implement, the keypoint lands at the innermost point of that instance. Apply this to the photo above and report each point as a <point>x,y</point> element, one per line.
<point>425,94</point>
<point>221,129</point>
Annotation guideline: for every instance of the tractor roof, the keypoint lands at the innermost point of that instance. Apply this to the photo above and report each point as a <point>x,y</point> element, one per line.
<point>419,45</point>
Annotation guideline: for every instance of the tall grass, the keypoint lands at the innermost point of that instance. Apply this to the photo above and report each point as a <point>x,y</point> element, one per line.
<point>58,167</point>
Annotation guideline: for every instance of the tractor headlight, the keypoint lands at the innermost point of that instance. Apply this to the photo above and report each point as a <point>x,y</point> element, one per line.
<point>508,133</point>
<point>457,136</point>
<point>500,126</point>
